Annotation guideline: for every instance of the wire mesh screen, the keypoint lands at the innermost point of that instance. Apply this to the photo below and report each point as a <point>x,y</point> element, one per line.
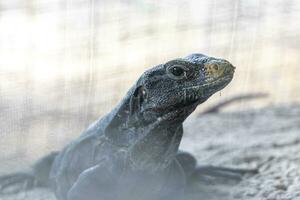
<point>63,63</point>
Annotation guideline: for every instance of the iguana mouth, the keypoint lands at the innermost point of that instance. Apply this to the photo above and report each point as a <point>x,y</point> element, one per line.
<point>192,97</point>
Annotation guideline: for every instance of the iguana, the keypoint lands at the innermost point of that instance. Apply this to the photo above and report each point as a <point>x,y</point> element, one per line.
<point>132,152</point>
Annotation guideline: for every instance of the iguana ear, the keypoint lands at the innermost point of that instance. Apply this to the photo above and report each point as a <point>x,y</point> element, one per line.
<point>137,99</point>
<point>120,116</point>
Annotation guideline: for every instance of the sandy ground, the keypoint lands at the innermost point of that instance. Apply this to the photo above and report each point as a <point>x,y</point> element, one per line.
<point>267,138</point>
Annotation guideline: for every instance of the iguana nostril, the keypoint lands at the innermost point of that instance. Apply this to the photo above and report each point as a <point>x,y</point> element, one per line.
<point>218,68</point>
<point>215,67</point>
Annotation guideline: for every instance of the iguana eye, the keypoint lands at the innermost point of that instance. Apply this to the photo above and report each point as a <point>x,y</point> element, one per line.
<point>177,71</point>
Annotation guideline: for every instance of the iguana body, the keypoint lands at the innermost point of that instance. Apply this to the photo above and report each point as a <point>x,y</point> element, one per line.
<point>132,152</point>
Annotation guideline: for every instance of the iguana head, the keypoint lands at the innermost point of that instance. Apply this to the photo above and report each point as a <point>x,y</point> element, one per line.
<point>178,86</point>
<point>149,119</point>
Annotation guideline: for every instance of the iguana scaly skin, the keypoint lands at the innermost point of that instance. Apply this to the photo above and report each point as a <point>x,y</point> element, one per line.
<point>132,152</point>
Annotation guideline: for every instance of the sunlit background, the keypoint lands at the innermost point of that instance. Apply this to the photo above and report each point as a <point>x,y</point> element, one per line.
<point>63,63</point>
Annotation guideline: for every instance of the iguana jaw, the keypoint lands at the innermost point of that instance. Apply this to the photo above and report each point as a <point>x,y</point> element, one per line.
<point>196,95</point>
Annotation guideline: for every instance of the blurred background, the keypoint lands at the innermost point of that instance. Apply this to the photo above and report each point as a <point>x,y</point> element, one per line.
<point>64,63</point>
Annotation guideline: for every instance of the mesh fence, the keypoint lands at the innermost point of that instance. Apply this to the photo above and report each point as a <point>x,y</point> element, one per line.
<point>63,63</point>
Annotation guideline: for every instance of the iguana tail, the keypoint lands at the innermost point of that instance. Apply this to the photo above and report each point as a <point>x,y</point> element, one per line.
<point>38,177</point>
